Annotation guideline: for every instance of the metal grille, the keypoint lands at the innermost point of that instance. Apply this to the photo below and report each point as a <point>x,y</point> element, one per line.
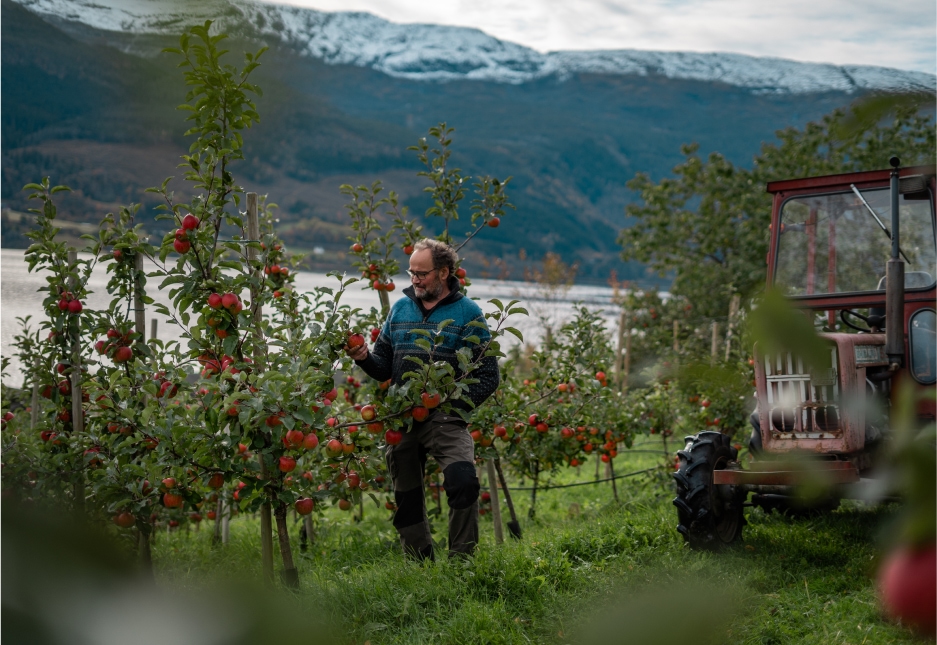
<point>801,404</point>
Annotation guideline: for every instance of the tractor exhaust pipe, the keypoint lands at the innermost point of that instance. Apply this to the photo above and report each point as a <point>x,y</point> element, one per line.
<point>894,282</point>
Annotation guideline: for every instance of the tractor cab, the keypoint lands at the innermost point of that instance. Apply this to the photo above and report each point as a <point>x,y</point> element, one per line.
<point>858,253</point>
<point>833,242</point>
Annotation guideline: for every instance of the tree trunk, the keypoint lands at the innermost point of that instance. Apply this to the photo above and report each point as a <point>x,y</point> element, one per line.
<point>290,574</point>
<point>216,534</point>
<point>307,533</point>
<point>144,550</point>
<point>611,468</point>
<point>533,493</point>
<point>514,527</point>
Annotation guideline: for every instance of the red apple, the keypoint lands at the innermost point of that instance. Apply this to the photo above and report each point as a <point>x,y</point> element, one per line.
<point>286,464</point>
<point>74,307</point>
<point>460,273</point>
<point>494,222</point>
<point>190,222</point>
<point>393,437</point>
<point>368,413</point>
<point>172,500</point>
<point>125,520</point>
<point>310,441</point>
<point>295,438</point>
<point>375,427</point>
<point>229,300</point>
<point>430,400</point>
<point>357,247</point>
<point>123,354</point>
<point>304,505</point>
<point>420,413</point>
<point>408,249</point>
<point>333,448</point>
<point>214,301</point>
<point>353,480</point>
<point>390,286</point>
<point>216,480</point>
<point>533,419</point>
<point>182,246</point>
<point>600,376</point>
<point>344,504</point>
<point>500,431</point>
<point>907,582</point>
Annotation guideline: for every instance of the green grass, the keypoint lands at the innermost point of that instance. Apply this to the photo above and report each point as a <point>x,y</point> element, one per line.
<point>621,568</point>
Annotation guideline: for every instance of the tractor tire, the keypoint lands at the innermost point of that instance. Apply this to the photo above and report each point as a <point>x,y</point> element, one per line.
<point>710,517</point>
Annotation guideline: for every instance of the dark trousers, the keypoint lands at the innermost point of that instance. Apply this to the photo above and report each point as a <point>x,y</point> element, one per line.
<point>446,438</point>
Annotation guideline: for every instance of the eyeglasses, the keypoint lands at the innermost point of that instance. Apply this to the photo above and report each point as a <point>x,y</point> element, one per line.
<point>419,275</point>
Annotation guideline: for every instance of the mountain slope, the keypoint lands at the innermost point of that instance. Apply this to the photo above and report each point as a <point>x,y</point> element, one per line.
<point>437,52</point>
<point>108,128</point>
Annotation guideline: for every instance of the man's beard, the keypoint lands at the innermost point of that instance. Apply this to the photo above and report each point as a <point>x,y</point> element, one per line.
<point>431,291</point>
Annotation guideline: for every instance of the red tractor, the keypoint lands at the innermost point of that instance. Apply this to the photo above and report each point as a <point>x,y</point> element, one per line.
<point>856,252</point>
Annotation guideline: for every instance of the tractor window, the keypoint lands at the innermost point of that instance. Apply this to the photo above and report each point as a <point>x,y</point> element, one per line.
<point>834,244</point>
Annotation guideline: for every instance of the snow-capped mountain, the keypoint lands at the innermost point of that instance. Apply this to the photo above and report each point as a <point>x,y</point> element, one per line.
<point>440,53</point>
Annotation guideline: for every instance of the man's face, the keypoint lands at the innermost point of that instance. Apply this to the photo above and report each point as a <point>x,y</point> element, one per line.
<point>431,285</point>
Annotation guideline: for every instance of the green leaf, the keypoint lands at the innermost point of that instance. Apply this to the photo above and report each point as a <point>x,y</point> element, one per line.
<point>515,332</point>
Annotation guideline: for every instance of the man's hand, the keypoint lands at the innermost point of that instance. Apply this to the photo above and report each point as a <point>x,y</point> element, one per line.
<point>357,353</point>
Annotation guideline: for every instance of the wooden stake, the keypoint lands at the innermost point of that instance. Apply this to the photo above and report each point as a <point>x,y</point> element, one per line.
<point>514,527</point>
<point>733,314</point>
<point>153,324</point>
<point>226,522</point>
<point>619,354</point>
<point>676,336</point>
<point>611,469</point>
<point>714,349</point>
<point>34,404</point>
<point>139,313</point>
<point>495,504</point>
<point>266,519</point>
<point>624,382</point>
<point>78,420</point>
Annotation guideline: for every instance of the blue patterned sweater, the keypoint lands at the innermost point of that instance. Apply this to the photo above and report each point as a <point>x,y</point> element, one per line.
<point>387,359</point>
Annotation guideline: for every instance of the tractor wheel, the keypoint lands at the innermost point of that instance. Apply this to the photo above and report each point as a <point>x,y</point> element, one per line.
<point>710,516</point>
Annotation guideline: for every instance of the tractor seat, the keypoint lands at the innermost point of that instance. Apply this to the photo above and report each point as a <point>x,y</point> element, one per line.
<point>912,280</point>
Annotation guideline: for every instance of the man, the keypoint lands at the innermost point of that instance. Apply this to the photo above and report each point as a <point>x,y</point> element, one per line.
<point>433,297</point>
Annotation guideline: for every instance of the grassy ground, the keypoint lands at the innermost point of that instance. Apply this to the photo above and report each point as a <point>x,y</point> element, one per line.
<point>587,570</point>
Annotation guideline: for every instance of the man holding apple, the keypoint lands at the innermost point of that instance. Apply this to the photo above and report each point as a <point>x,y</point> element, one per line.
<point>434,296</point>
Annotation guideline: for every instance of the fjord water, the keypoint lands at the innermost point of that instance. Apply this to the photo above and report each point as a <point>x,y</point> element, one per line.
<point>19,297</point>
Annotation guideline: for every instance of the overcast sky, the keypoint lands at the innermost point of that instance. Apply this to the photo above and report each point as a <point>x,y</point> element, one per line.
<point>901,33</point>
